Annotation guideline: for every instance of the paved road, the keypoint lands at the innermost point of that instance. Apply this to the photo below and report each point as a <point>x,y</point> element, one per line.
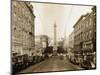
<point>52,64</point>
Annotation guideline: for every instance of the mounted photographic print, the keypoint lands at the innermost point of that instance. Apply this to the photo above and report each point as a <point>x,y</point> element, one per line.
<point>52,37</point>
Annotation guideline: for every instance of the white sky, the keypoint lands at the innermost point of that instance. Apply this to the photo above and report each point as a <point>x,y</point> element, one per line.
<point>65,16</point>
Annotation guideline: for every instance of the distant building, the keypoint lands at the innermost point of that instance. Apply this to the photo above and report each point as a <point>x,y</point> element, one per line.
<point>70,50</point>
<point>38,46</point>
<point>22,28</point>
<point>41,42</point>
<point>60,43</point>
<point>71,40</point>
<point>45,41</point>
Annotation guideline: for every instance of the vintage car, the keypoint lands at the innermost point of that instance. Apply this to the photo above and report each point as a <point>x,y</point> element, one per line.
<point>14,65</point>
<point>86,64</point>
<point>88,61</point>
<point>17,63</point>
<point>76,59</point>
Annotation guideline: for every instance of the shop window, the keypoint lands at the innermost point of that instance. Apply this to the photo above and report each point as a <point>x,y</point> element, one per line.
<point>87,24</point>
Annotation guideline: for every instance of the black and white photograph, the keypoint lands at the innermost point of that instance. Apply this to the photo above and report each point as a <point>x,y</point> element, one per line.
<point>52,37</point>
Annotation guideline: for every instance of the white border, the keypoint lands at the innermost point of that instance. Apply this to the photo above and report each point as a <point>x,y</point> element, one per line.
<point>5,37</point>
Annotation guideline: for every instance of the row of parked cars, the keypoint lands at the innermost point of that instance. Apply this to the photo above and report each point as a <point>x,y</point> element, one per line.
<point>85,61</point>
<point>21,62</point>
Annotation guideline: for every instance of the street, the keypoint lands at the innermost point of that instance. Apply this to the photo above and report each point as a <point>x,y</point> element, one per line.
<point>52,64</point>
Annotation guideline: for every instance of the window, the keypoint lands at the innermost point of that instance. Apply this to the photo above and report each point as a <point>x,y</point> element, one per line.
<point>18,18</point>
<point>14,14</point>
<point>86,23</point>
<point>90,21</point>
<point>30,33</point>
<point>90,35</point>
<point>14,28</point>
<point>14,3</point>
<point>87,35</point>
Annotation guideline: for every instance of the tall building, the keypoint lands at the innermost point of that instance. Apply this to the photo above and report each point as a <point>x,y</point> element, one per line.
<point>22,28</point>
<point>85,35</point>
<point>89,33</point>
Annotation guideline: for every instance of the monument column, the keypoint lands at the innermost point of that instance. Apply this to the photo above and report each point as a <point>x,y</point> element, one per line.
<point>55,41</point>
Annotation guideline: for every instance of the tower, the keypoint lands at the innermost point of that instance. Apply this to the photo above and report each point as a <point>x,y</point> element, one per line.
<point>55,40</point>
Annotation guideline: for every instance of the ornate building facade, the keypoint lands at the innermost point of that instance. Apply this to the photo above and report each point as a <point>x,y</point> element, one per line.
<point>89,35</point>
<point>78,30</point>
<point>85,34</point>
<point>22,28</point>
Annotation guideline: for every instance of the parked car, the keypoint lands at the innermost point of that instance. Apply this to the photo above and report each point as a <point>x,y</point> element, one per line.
<point>86,64</point>
<point>14,65</point>
<point>30,60</point>
<point>25,60</point>
<point>46,56</point>
<point>20,62</point>
<point>89,61</point>
<point>17,63</point>
<point>72,59</point>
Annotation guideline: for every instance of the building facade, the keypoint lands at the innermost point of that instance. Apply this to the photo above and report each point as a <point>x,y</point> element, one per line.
<point>78,30</point>
<point>89,33</point>
<point>71,40</point>
<point>41,43</point>
<point>22,28</point>
<point>85,34</point>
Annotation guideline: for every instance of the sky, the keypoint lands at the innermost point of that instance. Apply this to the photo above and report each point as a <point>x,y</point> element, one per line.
<point>64,16</point>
